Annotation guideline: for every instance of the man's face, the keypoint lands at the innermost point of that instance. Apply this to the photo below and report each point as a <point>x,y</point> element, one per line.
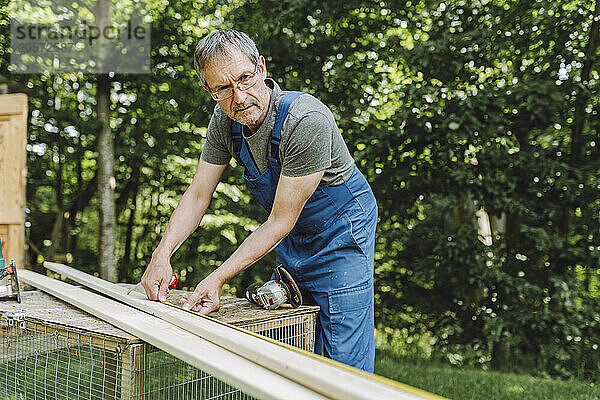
<point>246,107</point>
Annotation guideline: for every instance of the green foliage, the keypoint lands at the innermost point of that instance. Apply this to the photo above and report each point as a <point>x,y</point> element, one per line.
<point>448,108</point>
<point>472,384</point>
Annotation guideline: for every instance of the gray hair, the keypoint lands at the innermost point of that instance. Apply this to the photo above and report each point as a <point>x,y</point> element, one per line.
<point>218,44</point>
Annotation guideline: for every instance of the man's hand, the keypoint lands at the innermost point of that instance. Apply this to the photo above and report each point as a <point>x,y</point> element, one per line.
<point>290,198</point>
<point>157,277</point>
<point>183,222</point>
<point>206,298</point>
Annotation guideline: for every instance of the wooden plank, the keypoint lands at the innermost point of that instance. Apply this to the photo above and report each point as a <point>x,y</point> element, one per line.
<point>13,173</point>
<point>330,378</point>
<point>221,363</point>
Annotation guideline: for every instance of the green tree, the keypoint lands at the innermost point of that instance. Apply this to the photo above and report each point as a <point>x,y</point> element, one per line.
<point>448,107</point>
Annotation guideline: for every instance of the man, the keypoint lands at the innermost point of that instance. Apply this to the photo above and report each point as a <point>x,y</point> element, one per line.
<point>322,212</point>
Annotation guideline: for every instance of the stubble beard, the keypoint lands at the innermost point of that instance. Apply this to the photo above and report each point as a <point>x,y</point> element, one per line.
<point>251,116</point>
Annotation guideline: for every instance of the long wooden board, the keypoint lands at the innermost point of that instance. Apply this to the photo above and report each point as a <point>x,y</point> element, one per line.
<point>221,363</point>
<point>327,377</point>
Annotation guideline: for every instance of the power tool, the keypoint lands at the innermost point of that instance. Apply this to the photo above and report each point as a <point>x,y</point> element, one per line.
<point>274,293</point>
<point>9,281</point>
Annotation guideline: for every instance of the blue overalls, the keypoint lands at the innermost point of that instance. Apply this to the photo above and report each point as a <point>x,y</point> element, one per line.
<point>329,252</point>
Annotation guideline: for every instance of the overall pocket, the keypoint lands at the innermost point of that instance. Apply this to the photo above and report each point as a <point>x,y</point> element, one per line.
<point>351,320</point>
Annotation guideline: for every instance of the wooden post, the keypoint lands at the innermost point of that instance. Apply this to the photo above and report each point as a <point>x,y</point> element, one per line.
<point>133,372</point>
<point>13,139</point>
<point>109,383</point>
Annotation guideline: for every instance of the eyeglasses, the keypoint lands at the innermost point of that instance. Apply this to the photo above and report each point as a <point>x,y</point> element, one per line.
<point>243,83</point>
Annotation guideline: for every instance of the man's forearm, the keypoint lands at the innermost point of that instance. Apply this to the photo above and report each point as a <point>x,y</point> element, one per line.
<point>253,248</point>
<point>290,198</point>
<point>184,220</point>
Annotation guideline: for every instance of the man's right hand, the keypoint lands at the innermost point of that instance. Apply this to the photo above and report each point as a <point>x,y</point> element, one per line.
<point>156,278</point>
<point>183,222</point>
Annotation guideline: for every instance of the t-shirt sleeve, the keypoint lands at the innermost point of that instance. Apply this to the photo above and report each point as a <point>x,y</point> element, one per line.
<point>215,149</point>
<point>308,148</point>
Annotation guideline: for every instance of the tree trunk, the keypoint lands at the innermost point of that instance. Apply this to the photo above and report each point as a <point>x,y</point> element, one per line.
<point>463,211</point>
<point>106,180</point>
<point>498,226</point>
<point>58,226</point>
<point>580,113</point>
<point>584,96</point>
<point>129,233</point>
<point>500,355</point>
<point>499,348</point>
<point>54,235</point>
<point>132,195</point>
<point>484,229</point>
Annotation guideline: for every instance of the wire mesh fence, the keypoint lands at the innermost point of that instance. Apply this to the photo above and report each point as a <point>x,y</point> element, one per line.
<point>42,360</point>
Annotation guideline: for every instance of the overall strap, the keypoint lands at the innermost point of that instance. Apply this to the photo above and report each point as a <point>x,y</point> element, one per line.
<point>282,111</point>
<point>241,150</point>
<point>236,137</point>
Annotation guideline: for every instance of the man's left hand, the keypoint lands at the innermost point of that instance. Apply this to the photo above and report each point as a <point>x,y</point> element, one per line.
<point>206,298</point>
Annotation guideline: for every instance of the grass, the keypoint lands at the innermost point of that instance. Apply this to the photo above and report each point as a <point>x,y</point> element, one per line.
<point>465,383</point>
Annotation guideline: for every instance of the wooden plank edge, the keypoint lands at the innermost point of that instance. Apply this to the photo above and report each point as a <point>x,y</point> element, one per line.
<point>222,364</point>
<point>328,377</point>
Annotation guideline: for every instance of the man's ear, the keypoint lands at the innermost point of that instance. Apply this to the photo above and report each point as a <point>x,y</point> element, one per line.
<point>262,65</point>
